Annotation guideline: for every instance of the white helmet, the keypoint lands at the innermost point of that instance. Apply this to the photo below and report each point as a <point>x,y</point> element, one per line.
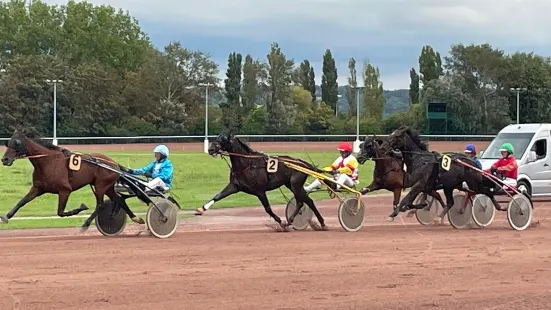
<point>161,149</point>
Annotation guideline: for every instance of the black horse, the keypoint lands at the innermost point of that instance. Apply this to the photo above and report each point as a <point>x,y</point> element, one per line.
<point>249,174</point>
<point>426,173</point>
<point>389,172</point>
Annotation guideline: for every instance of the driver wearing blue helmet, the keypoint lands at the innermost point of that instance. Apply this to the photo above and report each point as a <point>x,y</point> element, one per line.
<point>160,170</point>
<point>471,151</point>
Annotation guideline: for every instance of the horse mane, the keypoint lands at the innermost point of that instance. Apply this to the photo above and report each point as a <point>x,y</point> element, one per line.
<point>35,137</point>
<point>245,145</point>
<point>414,135</point>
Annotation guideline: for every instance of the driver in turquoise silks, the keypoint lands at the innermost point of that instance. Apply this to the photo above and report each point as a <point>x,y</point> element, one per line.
<point>160,170</point>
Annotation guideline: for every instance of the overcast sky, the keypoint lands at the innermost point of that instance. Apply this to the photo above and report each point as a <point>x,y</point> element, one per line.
<point>390,33</point>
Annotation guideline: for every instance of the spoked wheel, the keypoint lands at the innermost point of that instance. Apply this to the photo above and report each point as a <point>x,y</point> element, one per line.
<point>162,220</point>
<point>352,216</point>
<point>111,219</point>
<point>460,213</point>
<point>484,210</point>
<point>303,218</point>
<point>519,212</point>
<point>426,215</point>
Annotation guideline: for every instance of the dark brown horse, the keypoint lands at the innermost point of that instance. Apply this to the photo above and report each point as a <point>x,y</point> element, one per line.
<point>52,174</point>
<point>249,175</point>
<point>388,173</point>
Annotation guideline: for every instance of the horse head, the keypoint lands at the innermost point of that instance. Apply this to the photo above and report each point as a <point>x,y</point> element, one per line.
<point>406,139</point>
<point>16,147</point>
<point>367,149</point>
<point>222,143</point>
<point>23,143</point>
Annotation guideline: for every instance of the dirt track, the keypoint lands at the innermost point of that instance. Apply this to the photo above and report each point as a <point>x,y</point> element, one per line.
<point>228,259</point>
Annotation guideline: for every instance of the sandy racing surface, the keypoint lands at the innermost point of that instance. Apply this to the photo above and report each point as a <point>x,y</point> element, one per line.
<point>228,259</point>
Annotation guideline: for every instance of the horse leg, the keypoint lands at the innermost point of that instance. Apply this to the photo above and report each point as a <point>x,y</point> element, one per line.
<point>310,203</point>
<point>397,193</point>
<point>230,189</point>
<point>266,204</point>
<point>407,201</point>
<point>32,194</point>
<point>63,197</point>
<point>370,188</point>
<point>448,192</point>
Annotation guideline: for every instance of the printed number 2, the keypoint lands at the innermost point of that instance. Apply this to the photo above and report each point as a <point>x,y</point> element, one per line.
<point>272,165</point>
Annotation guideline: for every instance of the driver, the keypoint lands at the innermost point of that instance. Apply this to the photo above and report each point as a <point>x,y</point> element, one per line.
<point>160,170</point>
<point>506,165</point>
<point>344,168</point>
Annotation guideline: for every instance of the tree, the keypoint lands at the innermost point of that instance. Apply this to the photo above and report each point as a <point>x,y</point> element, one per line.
<point>374,101</point>
<point>430,64</point>
<point>527,70</point>
<point>231,109</point>
<point>352,90</point>
<point>481,68</point>
<point>329,85</point>
<point>306,78</point>
<point>254,76</point>
<point>280,110</point>
<point>413,86</point>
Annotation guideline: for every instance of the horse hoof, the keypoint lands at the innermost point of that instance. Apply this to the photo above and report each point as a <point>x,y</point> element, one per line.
<point>138,220</point>
<point>324,228</point>
<point>314,225</point>
<point>390,219</point>
<point>83,229</point>
<point>3,219</point>
<point>83,207</point>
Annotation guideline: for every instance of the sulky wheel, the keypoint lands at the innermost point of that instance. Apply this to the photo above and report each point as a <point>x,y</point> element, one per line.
<point>162,218</point>
<point>519,212</point>
<point>350,216</point>
<point>460,214</point>
<point>484,210</point>
<point>303,218</point>
<point>426,215</point>
<point>111,219</point>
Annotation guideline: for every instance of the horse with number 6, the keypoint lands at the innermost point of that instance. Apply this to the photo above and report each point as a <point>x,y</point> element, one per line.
<point>58,171</point>
<point>255,173</point>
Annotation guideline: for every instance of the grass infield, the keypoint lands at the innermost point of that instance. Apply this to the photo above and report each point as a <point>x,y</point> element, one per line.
<point>197,178</point>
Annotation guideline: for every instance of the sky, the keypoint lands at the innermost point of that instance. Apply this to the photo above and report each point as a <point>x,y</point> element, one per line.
<point>389,34</point>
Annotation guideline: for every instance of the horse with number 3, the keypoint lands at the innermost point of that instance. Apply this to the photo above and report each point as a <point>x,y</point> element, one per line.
<point>256,173</point>
<point>58,171</point>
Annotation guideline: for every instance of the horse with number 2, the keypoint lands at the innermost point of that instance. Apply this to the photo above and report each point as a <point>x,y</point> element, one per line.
<point>255,173</point>
<point>59,171</point>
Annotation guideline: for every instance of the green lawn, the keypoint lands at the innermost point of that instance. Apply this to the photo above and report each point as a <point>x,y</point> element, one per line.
<point>197,178</point>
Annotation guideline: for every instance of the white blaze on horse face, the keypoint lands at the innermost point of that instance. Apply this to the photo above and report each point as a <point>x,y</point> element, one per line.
<point>208,205</point>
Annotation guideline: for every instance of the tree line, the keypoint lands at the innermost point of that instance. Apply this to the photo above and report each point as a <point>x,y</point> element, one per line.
<point>116,83</point>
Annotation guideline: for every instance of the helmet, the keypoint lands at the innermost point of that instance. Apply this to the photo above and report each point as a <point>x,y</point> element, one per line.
<point>470,149</point>
<point>161,149</point>
<point>508,147</point>
<point>345,147</point>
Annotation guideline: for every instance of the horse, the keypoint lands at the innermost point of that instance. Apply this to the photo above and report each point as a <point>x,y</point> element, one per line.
<point>52,174</point>
<point>426,173</point>
<point>249,174</point>
<point>388,173</point>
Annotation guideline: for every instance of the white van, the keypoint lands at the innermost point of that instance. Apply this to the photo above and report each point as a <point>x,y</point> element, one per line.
<point>532,143</point>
